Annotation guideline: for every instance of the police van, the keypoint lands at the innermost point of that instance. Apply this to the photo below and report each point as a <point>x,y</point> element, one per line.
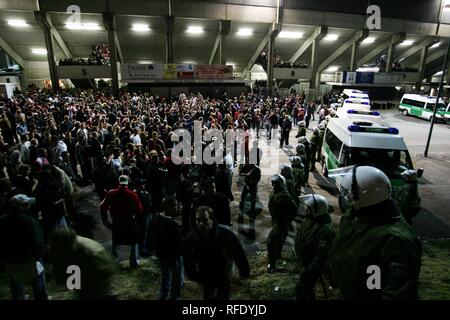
<point>350,106</point>
<point>355,99</point>
<point>363,141</point>
<point>422,107</point>
<point>354,94</point>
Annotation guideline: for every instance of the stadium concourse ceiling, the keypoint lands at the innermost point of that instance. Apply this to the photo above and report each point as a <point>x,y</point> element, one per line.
<point>141,30</point>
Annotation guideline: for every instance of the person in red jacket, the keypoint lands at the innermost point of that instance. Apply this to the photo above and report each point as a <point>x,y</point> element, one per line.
<point>124,206</point>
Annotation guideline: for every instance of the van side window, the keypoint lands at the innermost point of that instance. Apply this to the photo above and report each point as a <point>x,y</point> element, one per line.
<point>345,156</point>
<point>334,143</point>
<point>414,103</point>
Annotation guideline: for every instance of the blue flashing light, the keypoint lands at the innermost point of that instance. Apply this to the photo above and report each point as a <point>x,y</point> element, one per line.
<point>354,128</point>
<point>362,98</point>
<point>393,130</point>
<point>368,113</point>
<point>357,128</point>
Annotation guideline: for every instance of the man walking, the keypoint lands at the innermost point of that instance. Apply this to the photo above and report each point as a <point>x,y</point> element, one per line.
<point>124,207</point>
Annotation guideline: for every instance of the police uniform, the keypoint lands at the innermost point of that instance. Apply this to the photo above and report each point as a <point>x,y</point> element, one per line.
<point>279,203</point>
<point>376,236</point>
<point>312,245</point>
<point>315,142</point>
<point>408,200</point>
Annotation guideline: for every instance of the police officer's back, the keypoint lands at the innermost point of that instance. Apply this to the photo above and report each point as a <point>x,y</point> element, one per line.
<point>373,234</point>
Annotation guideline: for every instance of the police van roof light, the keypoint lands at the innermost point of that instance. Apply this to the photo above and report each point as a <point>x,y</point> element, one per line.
<point>358,128</point>
<point>368,113</point>
<point>393,130</point>
<point>354,128</point>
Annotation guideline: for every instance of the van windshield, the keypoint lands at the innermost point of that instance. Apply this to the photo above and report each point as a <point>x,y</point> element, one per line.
<point>441,106</point>
<point>391,162</point>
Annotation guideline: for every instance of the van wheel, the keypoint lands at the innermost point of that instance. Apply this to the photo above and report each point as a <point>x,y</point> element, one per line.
<point>405,112</point>
<point>324,170</point>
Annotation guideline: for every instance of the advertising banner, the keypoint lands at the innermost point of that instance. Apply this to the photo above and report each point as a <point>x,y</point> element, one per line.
<point>170,71</point>
<point>185,71</point>
<point>134,71</point>
<point>215,71</point>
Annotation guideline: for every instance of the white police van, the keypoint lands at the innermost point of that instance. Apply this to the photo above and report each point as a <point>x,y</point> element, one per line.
<point>422,107</point>
<point>354,94</point>
<point>361,140</point>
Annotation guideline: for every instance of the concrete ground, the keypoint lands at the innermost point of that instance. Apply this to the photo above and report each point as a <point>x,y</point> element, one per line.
<point>433,221</point>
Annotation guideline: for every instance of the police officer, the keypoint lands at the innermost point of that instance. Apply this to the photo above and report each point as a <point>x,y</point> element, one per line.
<point>282,210</point>
<point>408,197</point>
<point>376,254</point>
<point>298,172</point>
<point>250,188</point>
<point>312,244</point>
<point>252,179</point>
<point>305,155</point>
<point>322,126</point>
<point>315,142</point>
<point>286,172</point>
<point>301,129</point>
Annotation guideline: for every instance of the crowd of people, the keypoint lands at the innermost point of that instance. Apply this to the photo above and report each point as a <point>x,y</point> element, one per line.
<point>51,145</point>
<point>278,62</point>
<point>100,56</point>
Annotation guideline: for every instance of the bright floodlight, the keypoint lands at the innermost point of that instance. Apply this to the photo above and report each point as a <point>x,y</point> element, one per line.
<point>368,40</point>
<point>290,35</point>
<point>368,69</point>
<point>194,30</point>
<point>437,44</point>
<point>145,62</point>
<point>332,69</point>
<point>245,32</point>
<point>331,37</point>
<point>407,43</point>
<point>140,27</point>
<point>82,26</point>
<point>17,23</point>
<point>39,51</point>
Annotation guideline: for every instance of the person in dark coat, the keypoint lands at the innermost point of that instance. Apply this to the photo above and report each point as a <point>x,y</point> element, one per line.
<point>222,182</point>
<point>103,177</point>
<point>286,127</point>
<point>124,206</point>
<point>22,248</point>
<point>156,175</point>
<point>216,201</point>
<point>49,194</point>
<point>209,251</point>
<point>165,242</point>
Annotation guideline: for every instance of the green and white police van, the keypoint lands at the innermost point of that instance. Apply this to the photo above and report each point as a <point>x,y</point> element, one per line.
<point>422,107</point>
<point>360,141</point>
